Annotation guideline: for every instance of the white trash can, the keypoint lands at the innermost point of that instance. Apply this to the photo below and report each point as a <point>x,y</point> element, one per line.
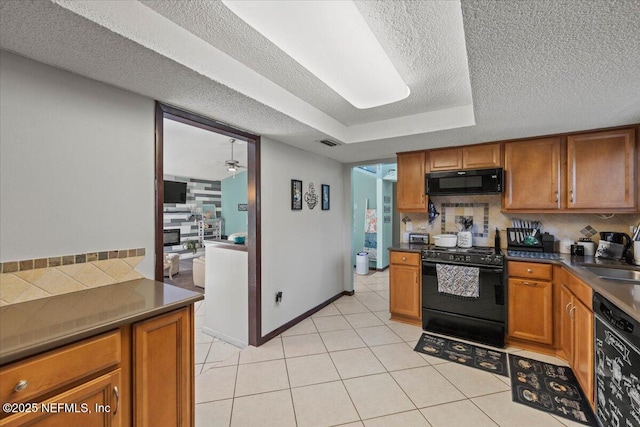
<point>362,263</point>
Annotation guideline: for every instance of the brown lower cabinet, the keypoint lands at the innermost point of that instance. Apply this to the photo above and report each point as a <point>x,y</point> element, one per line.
<point>163,370</point>
<point>576,326</point>
<point>530,302</point>
<point>405,287</point>
<point>550,312</point>
<point>139,374</point>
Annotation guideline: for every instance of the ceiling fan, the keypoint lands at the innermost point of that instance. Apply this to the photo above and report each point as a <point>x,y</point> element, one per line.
<point>233,165</point>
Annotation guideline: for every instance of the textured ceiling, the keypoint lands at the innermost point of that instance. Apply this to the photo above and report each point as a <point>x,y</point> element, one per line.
<point>416,36</point>
<point>535,67</point>
<point>198,153</point>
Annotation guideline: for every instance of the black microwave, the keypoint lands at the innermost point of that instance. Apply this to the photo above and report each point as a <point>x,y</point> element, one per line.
<point>479,181</point>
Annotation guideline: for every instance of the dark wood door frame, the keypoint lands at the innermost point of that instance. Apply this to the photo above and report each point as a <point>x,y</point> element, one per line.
<point>253,192</point>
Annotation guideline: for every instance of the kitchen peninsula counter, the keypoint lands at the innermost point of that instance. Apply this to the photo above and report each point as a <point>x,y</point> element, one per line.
<point>226,284</point>
<point>35,326</point>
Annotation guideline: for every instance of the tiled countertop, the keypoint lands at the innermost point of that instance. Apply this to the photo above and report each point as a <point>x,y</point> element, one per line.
<point>31,327</point>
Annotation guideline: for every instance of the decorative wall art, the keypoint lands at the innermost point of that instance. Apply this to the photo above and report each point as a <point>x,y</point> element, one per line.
<point>311,197</point>
<point>242,207</point>
<point>325,197</point>
<point>296,195</point>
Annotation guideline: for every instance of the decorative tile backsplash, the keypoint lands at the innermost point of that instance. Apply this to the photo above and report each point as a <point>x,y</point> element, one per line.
<point>39,278</point>
<point>452,213</point>
<point>562,225</point>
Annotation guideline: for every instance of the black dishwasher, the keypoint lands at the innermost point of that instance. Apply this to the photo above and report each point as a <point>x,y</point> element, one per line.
<point>617,365</point>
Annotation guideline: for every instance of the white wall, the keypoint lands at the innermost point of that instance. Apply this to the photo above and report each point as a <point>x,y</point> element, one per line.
<point>304,253</point>
<point>76,165</point>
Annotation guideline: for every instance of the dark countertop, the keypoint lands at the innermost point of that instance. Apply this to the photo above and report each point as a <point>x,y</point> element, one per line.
<point>35,326</point>
<point>625,296</point>
<point>407,247</point>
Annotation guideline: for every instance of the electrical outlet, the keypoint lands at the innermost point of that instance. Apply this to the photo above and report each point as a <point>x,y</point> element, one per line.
<point>278,297</point>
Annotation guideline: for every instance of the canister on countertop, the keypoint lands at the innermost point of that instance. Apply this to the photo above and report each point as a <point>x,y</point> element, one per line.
<point>548,240</point>
<point>577,250</point>
<point>564,246</point>
<point>589,246</point>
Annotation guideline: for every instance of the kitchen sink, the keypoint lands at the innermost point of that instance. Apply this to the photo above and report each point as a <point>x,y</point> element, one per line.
<point>615,273</point>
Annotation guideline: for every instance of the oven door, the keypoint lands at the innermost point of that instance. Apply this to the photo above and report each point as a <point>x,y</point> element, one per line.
<point>479,319</point>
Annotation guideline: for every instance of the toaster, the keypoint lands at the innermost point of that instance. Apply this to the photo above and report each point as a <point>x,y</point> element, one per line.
<point>420,238</point>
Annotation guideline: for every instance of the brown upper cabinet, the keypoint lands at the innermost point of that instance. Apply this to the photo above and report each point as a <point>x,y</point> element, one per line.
<point>469,157</point>
<point>580,172</point>
<point>532,174</point>
<point>601,170</point>
<point>411,182</point>
<point>590,172</point>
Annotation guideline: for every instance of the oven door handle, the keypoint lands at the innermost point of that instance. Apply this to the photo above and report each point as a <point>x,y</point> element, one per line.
<point>482,269</point>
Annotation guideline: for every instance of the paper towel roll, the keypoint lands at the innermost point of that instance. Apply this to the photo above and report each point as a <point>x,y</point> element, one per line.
<point>405,237</point>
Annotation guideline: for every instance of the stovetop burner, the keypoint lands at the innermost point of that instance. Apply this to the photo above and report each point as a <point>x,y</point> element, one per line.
<point>465,256</point>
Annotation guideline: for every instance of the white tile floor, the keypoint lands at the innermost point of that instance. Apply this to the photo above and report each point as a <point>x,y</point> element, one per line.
<point>349,365</point>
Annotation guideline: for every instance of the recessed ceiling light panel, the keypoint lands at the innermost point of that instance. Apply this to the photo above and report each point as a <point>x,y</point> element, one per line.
<point>332,40</point>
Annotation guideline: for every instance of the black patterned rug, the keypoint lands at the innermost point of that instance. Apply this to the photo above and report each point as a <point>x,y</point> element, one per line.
<point>465,354</point>
<point>550,388</point>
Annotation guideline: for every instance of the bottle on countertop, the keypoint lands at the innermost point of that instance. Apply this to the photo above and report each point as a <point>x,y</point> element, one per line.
<point>497,243</point>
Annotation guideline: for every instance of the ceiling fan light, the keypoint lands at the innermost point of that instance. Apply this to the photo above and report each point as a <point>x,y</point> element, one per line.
<point>232,168</point>
<point>332,40</point>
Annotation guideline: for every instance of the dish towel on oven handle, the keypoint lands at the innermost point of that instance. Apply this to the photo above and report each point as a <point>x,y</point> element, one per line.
<point>458,280</point>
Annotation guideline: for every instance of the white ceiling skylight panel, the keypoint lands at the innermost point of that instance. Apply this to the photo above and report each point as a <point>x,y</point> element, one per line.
<point>333,41</point>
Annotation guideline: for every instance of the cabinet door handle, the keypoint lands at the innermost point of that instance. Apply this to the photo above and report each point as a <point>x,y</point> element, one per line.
<point>21,385</point>
<point>404,258</point>
<point>530,284</point>
<point>116,393</point>
<point>571,313</point>
<point>557,196</point>
<point>566,308</point>
<point>422,198</point>
<point>416,279</point>
<point>529,270</point>
<point>571,194</point>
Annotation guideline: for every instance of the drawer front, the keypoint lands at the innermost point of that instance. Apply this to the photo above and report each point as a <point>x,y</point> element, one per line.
<point>530,270</point>
<point>54,369</point>
<point>405,258</point>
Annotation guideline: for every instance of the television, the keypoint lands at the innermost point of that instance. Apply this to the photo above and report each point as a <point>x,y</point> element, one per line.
<point>175,192</point>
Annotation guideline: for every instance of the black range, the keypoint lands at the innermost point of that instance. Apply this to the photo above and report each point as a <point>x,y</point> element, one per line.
<point>464,293</point>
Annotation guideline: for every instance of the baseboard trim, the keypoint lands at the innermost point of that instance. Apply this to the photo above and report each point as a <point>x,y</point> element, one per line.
<point>303,316</point>
<point>231,340</point>
<point>375,269</point>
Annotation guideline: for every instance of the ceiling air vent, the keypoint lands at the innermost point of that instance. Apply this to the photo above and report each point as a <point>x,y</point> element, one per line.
<point>329,143</point>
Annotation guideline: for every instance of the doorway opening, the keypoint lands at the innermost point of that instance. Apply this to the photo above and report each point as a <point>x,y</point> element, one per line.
<point>203,215</point>
<point>375,218</point>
